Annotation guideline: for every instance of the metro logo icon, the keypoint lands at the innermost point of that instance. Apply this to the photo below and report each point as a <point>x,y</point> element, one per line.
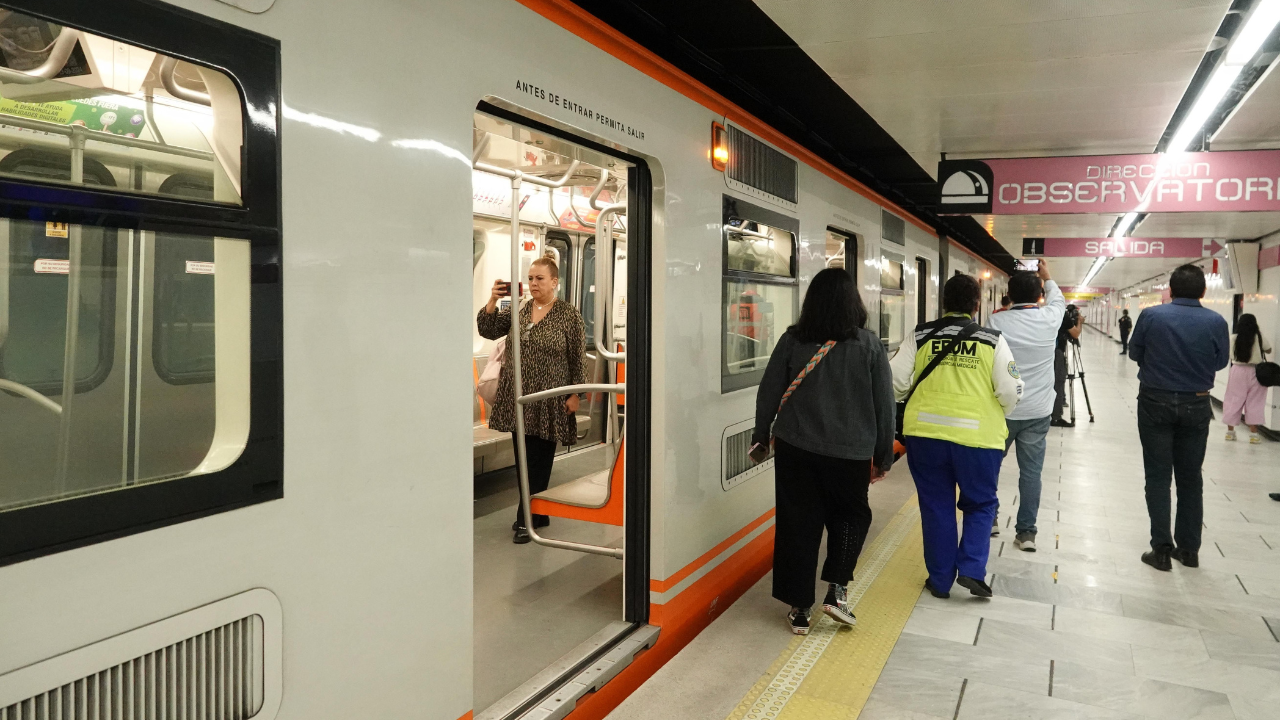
<point>1239,181</point>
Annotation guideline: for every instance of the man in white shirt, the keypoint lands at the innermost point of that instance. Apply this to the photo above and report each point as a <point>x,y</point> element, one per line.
<point>1031,330</point>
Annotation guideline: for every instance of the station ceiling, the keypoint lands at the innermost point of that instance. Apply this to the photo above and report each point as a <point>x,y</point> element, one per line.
<point>1022,78</point>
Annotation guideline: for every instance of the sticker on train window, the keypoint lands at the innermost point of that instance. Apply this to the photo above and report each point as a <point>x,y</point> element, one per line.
<point>60,267</point>
<point>55,229</point>
<point>196,267</point>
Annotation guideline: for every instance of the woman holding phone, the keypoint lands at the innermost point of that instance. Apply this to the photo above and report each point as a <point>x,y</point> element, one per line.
<point>552,343</point>
<point>827,401</point>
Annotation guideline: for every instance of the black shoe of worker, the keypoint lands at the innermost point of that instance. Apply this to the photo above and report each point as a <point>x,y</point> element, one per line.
<point>1188,558</point>
<point>995,527</point>
<point>975,586</point>
<point>1059,422</point>
<point>521,536</point>
<point>1158,559</point>
<point>1275,496</point>
<point>935,592</point>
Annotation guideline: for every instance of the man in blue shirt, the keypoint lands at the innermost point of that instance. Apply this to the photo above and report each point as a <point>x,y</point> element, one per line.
<point>1179,348</point>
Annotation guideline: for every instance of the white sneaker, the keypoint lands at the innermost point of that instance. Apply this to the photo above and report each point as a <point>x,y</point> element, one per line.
<point>1231,435</point>
<point>1254,439</point>
<point>1026,542</point>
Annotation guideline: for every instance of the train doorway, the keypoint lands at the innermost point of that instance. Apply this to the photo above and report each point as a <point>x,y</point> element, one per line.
<point>551,595</point>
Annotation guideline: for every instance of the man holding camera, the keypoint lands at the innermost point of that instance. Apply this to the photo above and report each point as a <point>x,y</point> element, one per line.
<point>1031,330</point>
<point>1068,333</point>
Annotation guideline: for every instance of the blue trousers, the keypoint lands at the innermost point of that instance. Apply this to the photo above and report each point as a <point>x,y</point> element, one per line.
<point>938,467</point>
<point>1031,438</point>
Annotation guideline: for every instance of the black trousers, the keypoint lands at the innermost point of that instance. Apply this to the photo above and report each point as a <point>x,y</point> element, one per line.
<point>542,455</point>
<point>1174,428</point>
<point>1059,382</point>
<point>1124,341</point>
<point>816,491</point>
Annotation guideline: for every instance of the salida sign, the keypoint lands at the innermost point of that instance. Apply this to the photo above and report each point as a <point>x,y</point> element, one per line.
<point>1121,247</point>
<point>1240,181</point>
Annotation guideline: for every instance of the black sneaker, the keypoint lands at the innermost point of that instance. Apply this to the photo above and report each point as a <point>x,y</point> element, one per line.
<point>836,605</point>
<point>1274,496</point>
<point>935,592</point>
<point>1188,558</point>
<point>521,535</point>
<point>995,526</point>
<point>975,586</point>
<point>1059,422</point>
<point>1158,559</point>
<point>799,620</point>
<point>539,521</point>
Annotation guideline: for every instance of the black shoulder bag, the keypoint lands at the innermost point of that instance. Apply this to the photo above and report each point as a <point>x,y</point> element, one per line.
<point>965,333</point>
<point>1268,372</point>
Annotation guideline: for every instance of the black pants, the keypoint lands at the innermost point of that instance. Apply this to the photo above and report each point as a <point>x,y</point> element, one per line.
<point>542,455</point>
<point>1059,382</point>
<point>815,491</point>
<point>1174,428</point>
<point>1124,341</point>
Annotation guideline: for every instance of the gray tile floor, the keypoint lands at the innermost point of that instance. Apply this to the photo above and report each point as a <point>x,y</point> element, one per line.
<point>1080,628</point>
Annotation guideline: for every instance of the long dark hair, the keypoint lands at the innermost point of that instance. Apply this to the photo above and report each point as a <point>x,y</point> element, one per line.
<point>1246,331</point>
<point>832,309</point>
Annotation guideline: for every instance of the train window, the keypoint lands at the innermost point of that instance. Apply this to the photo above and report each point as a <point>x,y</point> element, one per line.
<point>760,293</point>
<point>922,290</point>
<point>144,115</point>
<point>135,313</point>
<point>557,246</point>
<point>893,299</point>
<point>589,290</point>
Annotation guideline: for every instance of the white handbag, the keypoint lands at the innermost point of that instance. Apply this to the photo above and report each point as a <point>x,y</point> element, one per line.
<point>487,385</point>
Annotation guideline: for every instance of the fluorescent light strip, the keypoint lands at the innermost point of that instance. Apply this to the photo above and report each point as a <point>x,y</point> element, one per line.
<point>1093,271</point>
<point>1257,28</point>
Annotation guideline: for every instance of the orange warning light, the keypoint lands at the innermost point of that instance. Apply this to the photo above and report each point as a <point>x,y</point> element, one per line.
<point>719,147</point>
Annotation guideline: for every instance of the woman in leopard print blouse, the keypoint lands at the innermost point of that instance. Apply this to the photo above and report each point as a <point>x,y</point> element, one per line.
<point>553,341</point>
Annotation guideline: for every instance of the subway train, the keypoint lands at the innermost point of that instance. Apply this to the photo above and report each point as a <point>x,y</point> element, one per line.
<point>243,469</point>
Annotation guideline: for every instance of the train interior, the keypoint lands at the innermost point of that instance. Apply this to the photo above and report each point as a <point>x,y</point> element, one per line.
<point>94,319</point>
<point>534,604</point>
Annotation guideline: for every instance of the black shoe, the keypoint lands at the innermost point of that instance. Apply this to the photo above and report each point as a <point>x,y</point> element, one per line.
<point>975,586</point>
<point>995,527</point>
<point>1059,422</point>
<point>1275,496</point>
<point>539,521</point>
<point>1188,558</point>
<point>798,618</point>
<point>935,592</point>
<point>1158,559</point>
<point>521,536</point>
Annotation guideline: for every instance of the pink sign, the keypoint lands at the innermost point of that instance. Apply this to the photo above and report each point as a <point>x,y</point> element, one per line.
<point>1269,257</point>
<point>1125,247</point>
<point>1236,181</point>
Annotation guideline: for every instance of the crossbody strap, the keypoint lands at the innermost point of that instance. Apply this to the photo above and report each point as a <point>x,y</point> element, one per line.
<point>965,333</point>
<point>809,366</point>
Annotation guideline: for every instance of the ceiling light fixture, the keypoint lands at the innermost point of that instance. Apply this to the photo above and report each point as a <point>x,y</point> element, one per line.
<point>1093,271</point>
<point>1257,28</point>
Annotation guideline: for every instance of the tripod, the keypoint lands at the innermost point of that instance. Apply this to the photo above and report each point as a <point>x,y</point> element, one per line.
<point>1075,368</point>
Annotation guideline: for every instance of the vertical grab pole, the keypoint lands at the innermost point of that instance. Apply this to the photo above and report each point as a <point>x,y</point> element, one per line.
<point>72,335</point>
<point>517,388</point>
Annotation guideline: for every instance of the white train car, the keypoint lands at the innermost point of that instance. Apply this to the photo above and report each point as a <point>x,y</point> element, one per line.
<point>241,463</point>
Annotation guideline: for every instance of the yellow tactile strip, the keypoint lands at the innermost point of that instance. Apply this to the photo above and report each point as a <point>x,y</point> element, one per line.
<point>830,672</point>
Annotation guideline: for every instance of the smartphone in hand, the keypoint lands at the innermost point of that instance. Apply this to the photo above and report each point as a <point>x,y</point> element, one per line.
<point>758,453</point>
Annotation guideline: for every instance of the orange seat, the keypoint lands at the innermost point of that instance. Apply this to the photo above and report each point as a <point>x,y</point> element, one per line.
<point>596,498</point>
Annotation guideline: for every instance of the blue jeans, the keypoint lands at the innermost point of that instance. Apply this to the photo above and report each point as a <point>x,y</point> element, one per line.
<point>1030,436</point>
<point>938,467</point>
<point>1174,428</point>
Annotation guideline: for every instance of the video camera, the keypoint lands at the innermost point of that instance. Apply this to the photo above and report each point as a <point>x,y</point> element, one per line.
<point>1072,317</point>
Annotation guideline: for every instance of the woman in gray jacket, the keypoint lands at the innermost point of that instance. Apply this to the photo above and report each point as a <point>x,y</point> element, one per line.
<point>833,437</point>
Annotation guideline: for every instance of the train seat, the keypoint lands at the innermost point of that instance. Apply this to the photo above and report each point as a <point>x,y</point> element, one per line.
<point>597,497</point>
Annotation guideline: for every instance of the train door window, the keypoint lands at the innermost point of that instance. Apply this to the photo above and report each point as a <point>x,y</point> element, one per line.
<point>841,251</point>
<point>893,300</point>
<point>557,248</point>
<point>922,290</point>
<point>108,306</point>
<point>760,295</point>
<point>589,290</point>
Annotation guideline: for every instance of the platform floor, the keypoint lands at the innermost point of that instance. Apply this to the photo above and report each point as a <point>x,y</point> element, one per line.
<point>1079,629</point>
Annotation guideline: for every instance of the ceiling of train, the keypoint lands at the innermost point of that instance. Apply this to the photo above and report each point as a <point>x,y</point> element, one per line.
<point>992,78</point>
<point>502,144</point>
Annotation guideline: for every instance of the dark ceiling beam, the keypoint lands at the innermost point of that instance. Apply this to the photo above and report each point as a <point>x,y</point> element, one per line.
<point>734,48</point>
